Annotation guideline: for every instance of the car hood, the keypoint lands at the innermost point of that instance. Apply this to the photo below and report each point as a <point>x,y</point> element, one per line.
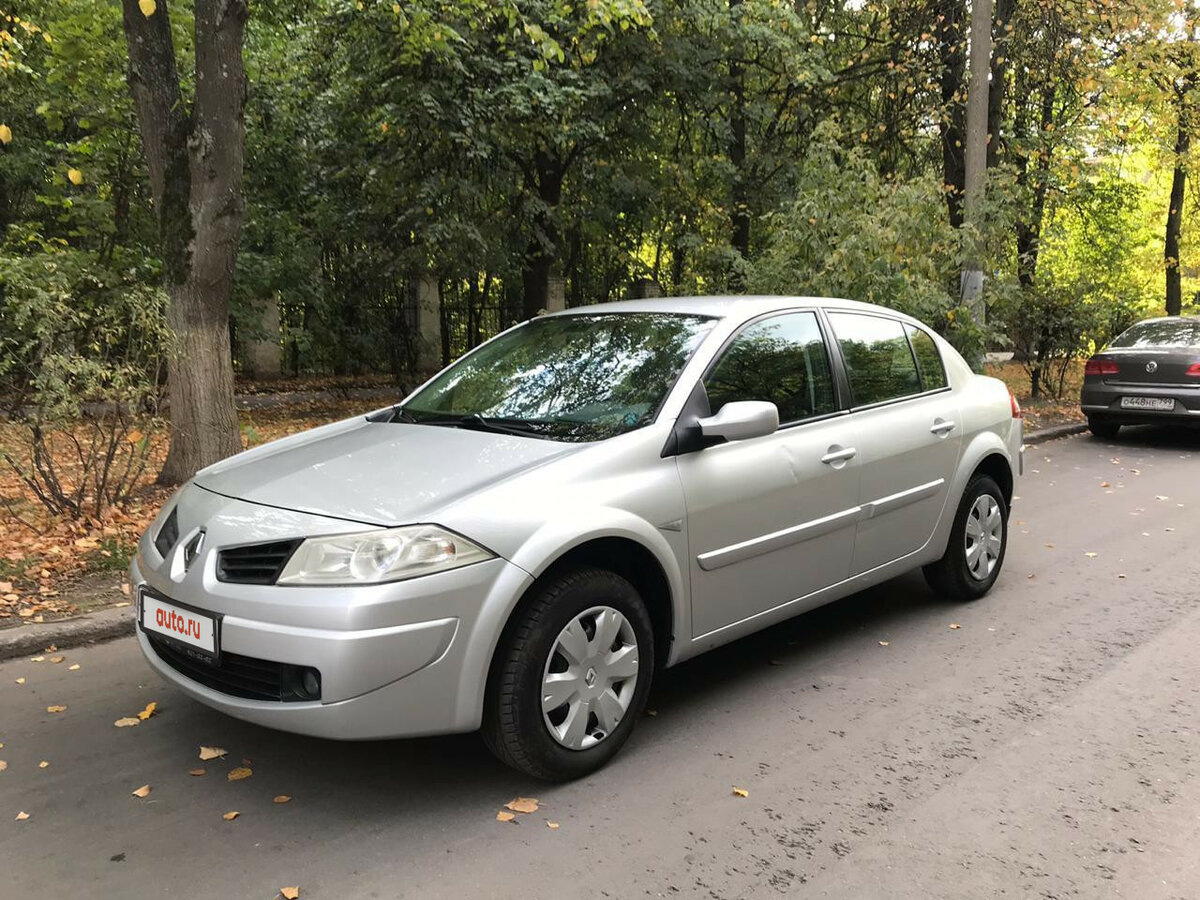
<point>377,473</point>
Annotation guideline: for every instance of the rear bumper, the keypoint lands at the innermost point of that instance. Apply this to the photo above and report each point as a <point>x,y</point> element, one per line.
<point>1104,400</point>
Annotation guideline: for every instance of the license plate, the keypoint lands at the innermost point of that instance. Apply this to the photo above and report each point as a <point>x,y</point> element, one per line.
<point>1157,403</point>
<point>183,625</point>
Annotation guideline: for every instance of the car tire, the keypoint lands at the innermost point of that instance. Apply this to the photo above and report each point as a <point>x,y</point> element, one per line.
<point>958,575</point>
<point>1105,429</point>
<point>516,728</point>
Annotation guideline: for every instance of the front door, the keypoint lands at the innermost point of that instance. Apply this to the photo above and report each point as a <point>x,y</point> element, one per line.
<point>771,519</point>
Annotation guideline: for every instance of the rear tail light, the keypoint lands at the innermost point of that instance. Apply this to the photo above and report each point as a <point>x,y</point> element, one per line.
<point>1097,366</point>
<point>1016,407</point>
<point>1194,370</point>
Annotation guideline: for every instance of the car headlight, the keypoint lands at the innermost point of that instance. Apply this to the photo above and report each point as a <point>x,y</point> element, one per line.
<point>372,557</point>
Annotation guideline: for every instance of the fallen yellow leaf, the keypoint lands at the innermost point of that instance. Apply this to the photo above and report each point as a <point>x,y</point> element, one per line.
<point>282,798</point>
<point>5,587</point>
<point>134,436</point>
<point>143,791</point>
<point>884,643</point>
<point>148,711</point>
<point>37,659</point>
<point>43,764</point>
<point>3,765</point>
<point>522,805</point>
<point>57,659</point>
<point>21,680</point>
<point>127,722</point>
<point>239,773</point>
<point>196,772</point>
<point>22,816</point>
<point>147,7</point>
<point>231,815</point>
<point>1105,484</point>
<point>503,816</point>
<point>553,826</point>
<point>955,625</point>
<point>207,753</point>
<point>73,668</point>
<point>290,893</point>
<point>1090,555</point>
<point>740,792</point>
<point>56,709</point>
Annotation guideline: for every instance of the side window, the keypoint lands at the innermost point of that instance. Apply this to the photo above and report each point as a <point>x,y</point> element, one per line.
<point>781,359</point>
<point>929,360</point>
<point>879,361</point>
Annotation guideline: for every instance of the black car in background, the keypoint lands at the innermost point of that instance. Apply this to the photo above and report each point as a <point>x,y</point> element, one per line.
<point>1150,373</point>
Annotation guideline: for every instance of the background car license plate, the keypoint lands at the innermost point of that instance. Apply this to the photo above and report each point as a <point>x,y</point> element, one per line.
<point>187,627</point>
<point>1158,403</point>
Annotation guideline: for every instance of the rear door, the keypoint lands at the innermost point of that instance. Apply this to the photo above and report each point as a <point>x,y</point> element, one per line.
<point>773,518</point>
<point>906,422</point>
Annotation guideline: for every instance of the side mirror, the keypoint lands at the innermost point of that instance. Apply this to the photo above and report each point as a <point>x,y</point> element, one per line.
<point>740,420</point>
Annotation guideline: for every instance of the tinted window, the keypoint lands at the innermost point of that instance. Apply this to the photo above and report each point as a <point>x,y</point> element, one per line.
<point>579,377</point>
<point>878,360</point>
<point>1162,333</point>
<point>781,359</point>
<point>929,360</point>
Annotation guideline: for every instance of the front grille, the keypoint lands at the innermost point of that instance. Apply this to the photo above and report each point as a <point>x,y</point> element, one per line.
<point>238,676</point>
<point>254,563</point>
<point>168,534</point>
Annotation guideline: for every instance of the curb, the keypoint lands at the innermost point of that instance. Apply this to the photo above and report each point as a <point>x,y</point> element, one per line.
<point>89,628</point>
<point>1055,431</point>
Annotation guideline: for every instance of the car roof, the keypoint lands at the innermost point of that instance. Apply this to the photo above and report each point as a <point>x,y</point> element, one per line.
<point>723,306</point>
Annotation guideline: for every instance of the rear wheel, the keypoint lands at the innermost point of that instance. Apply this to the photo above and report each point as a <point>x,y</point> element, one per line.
<point>978,539</point>
<point>571,676</point>
<point>1106,429</point>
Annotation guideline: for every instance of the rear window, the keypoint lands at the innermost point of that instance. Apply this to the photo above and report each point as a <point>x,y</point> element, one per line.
<point>1160,333</point>
<point>929,360</point>
<point>879,360</point>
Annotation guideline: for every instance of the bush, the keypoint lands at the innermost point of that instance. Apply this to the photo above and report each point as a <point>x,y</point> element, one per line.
<point>82,352</point>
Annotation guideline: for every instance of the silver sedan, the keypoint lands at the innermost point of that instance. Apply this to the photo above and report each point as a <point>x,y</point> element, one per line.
<point>588,497</point>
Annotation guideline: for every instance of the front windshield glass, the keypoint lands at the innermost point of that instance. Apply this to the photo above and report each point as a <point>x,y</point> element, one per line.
<point>577,378</point>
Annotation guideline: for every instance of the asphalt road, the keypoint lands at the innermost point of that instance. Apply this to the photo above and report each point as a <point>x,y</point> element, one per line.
<point>1049,747</point>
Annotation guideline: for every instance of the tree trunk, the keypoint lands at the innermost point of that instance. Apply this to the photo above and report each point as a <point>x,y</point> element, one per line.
<point>1001,23</point>
<point>1029,230</point>
<point>1183,142</point>
<point>195,159</point>
<point>542,249</point>
<point>952,50</point>
<point>740,213</point>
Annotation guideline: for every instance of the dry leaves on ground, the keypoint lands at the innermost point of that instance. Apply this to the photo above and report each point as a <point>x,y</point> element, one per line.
<point>56,709</point>
<point>127,722</point>
<point>740,792</point>
<point>21,680</point>
<point>148,711</point>
<point>231,815</point>
<point>522,805</point>
<point>503,816</point>
<point>885,643</point>
<point>73,668</point>
<point>553,826</point>
<point>3,765</point>
<point>289,893</point>
<point>22,816</point>
<point>239,773</point>
<point>207,753</point>
<point>955,625</point>
<point>196,772</point>
<point>44,764</point>
<point>282,798</point>
<point>142,792</point>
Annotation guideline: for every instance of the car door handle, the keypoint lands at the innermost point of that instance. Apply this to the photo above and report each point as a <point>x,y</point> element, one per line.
<point>838,455</point>
<point>941,427</point>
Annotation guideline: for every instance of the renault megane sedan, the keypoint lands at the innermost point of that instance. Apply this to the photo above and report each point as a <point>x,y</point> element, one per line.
<point>590,496</point>
<point>1149,374</point>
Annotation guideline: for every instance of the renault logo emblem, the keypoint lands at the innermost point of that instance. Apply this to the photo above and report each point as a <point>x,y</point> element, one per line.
<point>192,549</point>
<point>1152,366</point>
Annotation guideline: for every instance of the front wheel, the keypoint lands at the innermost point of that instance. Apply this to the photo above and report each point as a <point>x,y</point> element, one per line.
<point>978,539</point>
<point>571,676</point>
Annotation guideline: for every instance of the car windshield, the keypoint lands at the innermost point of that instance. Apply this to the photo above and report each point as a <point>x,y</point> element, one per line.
<point>1160,333</point>
<point>576,378</point>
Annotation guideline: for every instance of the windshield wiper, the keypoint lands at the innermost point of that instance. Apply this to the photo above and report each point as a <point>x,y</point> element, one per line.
<point>498,425</point>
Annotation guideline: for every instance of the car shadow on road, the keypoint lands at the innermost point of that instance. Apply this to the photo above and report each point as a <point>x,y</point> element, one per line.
<point>430,775</point>
<point>1155,437</point>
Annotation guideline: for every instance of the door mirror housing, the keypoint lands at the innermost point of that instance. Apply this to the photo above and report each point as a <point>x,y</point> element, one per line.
<point>740,420</point>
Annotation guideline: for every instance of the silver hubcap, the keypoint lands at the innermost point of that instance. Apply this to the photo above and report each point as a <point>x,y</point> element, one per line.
<point>590,678</point>
<point>985,537</point>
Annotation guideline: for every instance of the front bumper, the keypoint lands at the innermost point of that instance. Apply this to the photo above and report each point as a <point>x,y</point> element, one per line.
<point>403,659</point>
